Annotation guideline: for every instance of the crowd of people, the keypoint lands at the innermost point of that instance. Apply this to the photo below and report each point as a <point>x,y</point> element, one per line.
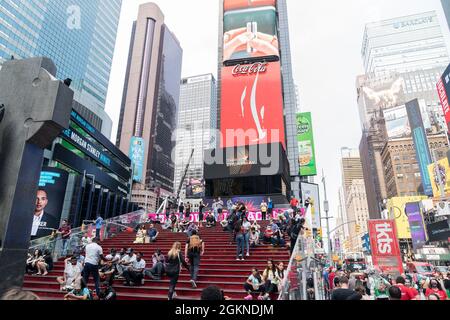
<point>341,285</point>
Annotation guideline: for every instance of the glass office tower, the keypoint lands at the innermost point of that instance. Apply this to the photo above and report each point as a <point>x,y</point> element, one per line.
<point>79,36</point>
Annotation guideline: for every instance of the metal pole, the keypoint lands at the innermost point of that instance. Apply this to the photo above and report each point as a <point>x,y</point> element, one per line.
<point>326,207</point>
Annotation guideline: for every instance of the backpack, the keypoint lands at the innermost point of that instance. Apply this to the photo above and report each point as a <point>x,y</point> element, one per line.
<point>195,243</point>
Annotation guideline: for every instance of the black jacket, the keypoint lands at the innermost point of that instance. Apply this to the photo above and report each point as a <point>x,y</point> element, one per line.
<point>173,265</point>
<point>47,221</point>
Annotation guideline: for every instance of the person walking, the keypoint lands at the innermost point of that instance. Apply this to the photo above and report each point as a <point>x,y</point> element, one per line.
<point>65,231</point>
<point>194,250</point>
<point>219,208</point>
<point>240,241</point>
<point>270,208</point>
<point>181,210</point>
<point>175,260</point>
<point>187,213</point>
<point>94,255</point>
<point>201,215</point>
<point>98,226</point>
<point>246,225</point>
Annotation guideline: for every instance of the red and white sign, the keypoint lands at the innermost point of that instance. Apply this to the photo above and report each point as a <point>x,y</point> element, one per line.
<point>444,101</point>
<point>385,247</point>
<point>252,105</point>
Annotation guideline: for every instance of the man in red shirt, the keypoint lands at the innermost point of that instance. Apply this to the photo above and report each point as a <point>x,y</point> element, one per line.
<point>65,231</point>
<point>407,293</point>
<point>331,277</point>
<point>294,204</point>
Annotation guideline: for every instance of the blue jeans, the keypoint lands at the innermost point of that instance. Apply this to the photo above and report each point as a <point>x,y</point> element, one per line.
<point>65,242</point>
<point>247,241</point>
<point>216,214</point>
<point>92,269</point>
<point>240,240</point>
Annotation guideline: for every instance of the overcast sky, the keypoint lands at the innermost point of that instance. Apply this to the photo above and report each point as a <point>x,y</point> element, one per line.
<point>326,38</point>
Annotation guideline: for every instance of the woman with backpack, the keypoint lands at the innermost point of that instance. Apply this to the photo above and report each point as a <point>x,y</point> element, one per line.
<point>173,267</point>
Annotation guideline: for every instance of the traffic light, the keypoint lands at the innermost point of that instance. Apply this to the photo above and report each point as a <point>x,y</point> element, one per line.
<point>358,228</point>
<point>308,233</point>
<point>319,232</point>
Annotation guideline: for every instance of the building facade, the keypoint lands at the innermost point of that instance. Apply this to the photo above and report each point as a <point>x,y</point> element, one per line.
<point>80,39</point>
<point>446,7</point>
<point>404,44</point>
<point>354,199</point>
<point>290,93</point>
<point>98,173</point>
<point>151,99</point>
<point>197,118</point>
<point>401,169</point>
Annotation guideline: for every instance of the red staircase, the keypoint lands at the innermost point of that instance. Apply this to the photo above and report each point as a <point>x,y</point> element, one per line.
<point>218,267</point>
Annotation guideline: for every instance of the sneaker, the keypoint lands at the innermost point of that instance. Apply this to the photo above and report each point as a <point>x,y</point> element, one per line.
<point>249,297</point>
<point>142,282</point>
<point>248,254</point>
<point>194,285</point>
<point>260,298</point>
<point>237,259</point>
<point>174,295</point>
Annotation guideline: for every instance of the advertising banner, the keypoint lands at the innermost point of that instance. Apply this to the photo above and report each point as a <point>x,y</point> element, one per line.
<point>416,224</point>
<point>311,201</point>
<point>305,138</point>
<point>397,124</point>
<point>49,202</point>
<point>242,4</point>
<point>195,188</point>
<point>423,154</point>
<point>443,88</point>
<point>385,246</point>
<point>137,156</point>
<point>250,31</point>
<point>252,105</point>
<point>396,210</point>
<point>440,171</point>
<point>439,231</point>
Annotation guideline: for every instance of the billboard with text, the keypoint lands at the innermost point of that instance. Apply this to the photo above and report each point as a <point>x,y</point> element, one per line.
<point>305,138</point>
<point>416,224</point>
<point>385,246</point>
<point>443,88</point>
<point>137,156</point>
<point>252,105</point>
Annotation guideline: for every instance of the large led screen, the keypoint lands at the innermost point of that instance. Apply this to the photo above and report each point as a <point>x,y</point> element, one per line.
<point>241,4</point>
<point>252,105</point>
<point>250,33</point>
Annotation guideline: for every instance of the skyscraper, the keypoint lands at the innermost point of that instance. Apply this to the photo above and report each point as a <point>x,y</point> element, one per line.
<point>404,44</point>
<point>290,92</point>
<point>78,36</point>
<point>197,118</point>
<point>404,58</point>
<point>354,196</point>
<point>151,98</point>
<point>446,7</point>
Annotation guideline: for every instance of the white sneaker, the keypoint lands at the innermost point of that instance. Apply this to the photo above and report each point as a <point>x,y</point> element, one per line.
<point>248,254</point>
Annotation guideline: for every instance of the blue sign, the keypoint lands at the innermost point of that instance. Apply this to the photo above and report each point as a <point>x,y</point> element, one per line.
<point>137,156</point>
<point>366,243</point>
<point>423,154</point>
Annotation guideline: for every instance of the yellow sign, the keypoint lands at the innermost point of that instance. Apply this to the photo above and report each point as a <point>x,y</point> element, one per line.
<point>396,210</point>
<point>442,170</point>
<point>335,258</point>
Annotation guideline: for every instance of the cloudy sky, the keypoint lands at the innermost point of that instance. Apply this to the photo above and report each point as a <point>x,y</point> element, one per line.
<point>326,38</point>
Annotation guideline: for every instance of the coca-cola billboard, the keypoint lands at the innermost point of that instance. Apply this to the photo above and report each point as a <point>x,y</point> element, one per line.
<point>252,105</point>
<point>385,247</point>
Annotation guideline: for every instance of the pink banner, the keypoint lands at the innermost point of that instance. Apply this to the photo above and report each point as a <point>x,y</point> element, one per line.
<point>194,217</point>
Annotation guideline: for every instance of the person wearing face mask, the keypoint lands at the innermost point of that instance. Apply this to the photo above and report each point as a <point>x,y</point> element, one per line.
<point>435,287</point>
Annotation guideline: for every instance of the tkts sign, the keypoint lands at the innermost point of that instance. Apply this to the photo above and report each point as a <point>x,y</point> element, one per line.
<point>385,247</point>
<point>252,105</point>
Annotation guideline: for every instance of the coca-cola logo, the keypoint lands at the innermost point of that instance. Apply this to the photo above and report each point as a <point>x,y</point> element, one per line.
<point>250,69</point>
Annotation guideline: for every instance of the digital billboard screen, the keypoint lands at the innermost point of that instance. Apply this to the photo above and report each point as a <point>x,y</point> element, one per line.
<point>440,172</point>
<point>195,188</point>
<point>305,137</point>
<point>416,224</point>
<point>423,154</point>
<point>443,88</point>
<point>241,4</point>
<point>137,155</point>
<point>252,105</point>
<point>250,33</point>
<point>311,200</point>
<point>49,202</point>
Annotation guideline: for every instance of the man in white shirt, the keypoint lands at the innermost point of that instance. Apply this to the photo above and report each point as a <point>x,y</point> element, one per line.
<point>126,261</point>
<point>135,273</point>
<point>72,272</point>
<point>94,255</point>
